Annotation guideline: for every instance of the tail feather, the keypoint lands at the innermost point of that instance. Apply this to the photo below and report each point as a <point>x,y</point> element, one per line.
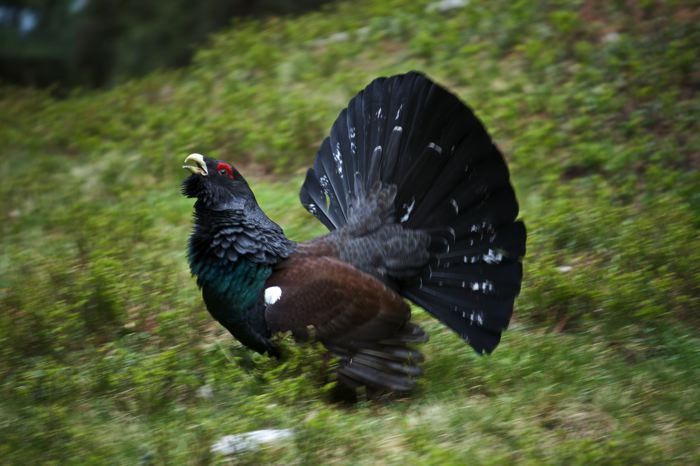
<point>466,214</point>
<point>450,181</point>
<point>314,199</point>
<point>478,336</point>
<point>460,187</point>
<point>339,138</point>
<point>478,277</point>
<point>330,179</point>
<point>390,364</point>
<point>503,246</point>
<point>357,375</point>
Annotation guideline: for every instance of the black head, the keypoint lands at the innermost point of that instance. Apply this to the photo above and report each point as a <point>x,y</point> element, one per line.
<point>216,184</point>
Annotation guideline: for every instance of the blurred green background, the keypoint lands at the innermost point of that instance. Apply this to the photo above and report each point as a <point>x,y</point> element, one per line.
<point>107,354</point>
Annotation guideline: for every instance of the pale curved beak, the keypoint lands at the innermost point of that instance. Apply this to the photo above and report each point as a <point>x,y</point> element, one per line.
<point>195,163</point>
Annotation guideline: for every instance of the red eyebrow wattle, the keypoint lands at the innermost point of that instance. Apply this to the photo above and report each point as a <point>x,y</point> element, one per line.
<point>225,166</point>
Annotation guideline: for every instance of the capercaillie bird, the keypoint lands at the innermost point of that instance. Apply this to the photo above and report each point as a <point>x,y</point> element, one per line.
<point>419,205</point>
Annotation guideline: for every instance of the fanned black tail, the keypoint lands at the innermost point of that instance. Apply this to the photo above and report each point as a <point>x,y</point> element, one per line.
<point>451,181</point>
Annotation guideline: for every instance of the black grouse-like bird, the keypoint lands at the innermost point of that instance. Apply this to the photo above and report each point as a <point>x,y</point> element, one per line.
<point>419,205</point>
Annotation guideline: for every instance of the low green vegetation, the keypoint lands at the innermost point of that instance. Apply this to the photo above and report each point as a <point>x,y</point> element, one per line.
<point>105,345</point>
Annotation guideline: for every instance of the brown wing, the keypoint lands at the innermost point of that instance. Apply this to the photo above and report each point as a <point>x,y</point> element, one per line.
<point>355,315</point>
<point>338,300</point>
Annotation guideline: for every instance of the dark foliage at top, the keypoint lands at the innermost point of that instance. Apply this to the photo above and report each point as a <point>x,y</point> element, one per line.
<point>96,43</point>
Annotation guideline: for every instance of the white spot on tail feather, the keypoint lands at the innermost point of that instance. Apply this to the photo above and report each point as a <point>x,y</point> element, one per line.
<point>486,286</point>
<point>493,257</point>
<point>272,295</point>
<point>338,159</point>
<point>476,317</point>
<point>409,209</point>
<point>323,180</point>
<point>435,147</point>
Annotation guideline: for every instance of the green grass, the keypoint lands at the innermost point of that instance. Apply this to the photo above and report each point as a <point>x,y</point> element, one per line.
<point>104,340</point>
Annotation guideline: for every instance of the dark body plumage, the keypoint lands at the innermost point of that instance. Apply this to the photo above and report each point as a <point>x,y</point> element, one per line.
<point>419,204</point>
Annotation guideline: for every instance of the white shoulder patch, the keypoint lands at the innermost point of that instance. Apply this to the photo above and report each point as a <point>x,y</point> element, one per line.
<point>272,295</point>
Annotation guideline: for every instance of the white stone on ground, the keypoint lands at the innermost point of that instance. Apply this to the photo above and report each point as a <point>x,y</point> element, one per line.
<point>230,444</point>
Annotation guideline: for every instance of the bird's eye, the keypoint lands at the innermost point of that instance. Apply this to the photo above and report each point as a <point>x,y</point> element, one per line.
<point>224,169</point>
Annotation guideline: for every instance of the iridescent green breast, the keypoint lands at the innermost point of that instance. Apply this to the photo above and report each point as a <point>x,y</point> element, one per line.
<point>238,283</point>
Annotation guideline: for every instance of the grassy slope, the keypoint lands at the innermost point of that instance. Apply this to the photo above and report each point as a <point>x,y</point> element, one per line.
<point>104,342</point>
